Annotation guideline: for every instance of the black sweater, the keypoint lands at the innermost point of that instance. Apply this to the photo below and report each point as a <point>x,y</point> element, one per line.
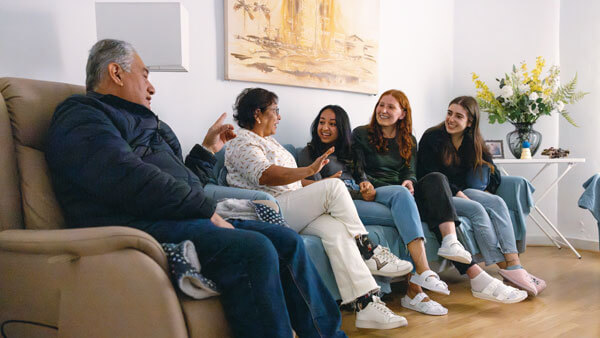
<point>429,159</point>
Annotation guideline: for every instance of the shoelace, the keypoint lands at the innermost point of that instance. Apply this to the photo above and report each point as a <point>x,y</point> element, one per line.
<point>379,305</point>
<point>387,255</point>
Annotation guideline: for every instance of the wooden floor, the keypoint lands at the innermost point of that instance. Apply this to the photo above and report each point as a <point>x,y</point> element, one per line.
<point>569,307</point>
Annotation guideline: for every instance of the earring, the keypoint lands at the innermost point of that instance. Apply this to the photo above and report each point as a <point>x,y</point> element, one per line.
<point>258,120</point>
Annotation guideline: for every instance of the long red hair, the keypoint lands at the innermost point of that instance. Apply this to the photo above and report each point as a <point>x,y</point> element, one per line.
<point>403,127</point>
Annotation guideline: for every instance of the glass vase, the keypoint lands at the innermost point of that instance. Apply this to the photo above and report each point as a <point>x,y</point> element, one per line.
<point>523,132</point>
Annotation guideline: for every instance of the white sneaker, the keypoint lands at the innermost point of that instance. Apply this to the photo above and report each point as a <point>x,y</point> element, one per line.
<point>454,251</point>
<point>377,316</point>
<point>385,263</point>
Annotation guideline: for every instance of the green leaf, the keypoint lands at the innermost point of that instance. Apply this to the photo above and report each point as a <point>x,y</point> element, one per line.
<point>568,118</point>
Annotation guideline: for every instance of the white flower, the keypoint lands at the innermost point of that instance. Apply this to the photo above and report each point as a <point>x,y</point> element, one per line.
<point>506,92</point>
<point>560,106</point>
<point>556,83</point>
<point>533,96</point>
<point>523,87</point>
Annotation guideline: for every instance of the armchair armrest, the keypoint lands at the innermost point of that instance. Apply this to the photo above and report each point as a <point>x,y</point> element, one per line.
<point>82,242</point>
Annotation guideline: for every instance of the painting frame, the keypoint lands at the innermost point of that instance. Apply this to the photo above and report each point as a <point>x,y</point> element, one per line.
<point>495,147</point>
<point>325,44</point>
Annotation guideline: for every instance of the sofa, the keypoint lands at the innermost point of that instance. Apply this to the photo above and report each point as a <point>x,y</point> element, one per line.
<point>89,282</point>
<point>516,192</point>
<point>113,281</point>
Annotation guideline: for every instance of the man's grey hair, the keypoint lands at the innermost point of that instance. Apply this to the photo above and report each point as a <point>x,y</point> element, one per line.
<point>102,54</point>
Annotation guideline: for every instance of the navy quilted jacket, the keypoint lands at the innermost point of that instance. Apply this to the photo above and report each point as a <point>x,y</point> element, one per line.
<point>113,162</point>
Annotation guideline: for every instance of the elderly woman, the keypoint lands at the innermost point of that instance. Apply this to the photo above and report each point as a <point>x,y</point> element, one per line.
<point>255,160</point>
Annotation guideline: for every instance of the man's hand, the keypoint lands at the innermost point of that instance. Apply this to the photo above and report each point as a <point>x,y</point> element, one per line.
<point>218,134</point>
<point>321,161</point>
<point>408,184</point>
<point>220,222</point>
<point>462,195</point>
<point>367,191</point>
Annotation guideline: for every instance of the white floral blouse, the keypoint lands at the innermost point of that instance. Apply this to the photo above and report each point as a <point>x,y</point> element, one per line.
<point>248,155</point>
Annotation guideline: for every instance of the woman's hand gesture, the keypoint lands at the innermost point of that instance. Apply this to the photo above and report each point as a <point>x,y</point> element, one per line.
<point>321,161</point>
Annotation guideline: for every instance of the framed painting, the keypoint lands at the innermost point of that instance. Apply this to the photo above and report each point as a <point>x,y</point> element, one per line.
<point>330,44</point>
<point>495,147</point>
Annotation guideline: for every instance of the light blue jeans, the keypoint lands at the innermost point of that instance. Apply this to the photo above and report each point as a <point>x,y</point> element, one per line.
<point>219,192</point>
<point>394,206</point>
<point>492,226</point>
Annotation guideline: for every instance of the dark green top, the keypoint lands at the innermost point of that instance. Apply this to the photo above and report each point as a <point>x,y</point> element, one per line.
<point>385,168</point>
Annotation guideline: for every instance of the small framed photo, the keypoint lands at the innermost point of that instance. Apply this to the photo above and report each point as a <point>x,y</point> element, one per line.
<point>495,148</point>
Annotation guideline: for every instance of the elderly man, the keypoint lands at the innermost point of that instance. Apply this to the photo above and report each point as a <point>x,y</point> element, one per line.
<point>114,162</point>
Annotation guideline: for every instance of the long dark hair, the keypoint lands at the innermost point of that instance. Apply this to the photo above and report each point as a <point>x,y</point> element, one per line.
<point>342,143</point>
<point>403,127</point>
<point>471,135</point>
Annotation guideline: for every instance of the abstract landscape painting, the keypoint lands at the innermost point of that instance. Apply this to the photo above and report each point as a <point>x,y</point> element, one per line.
<point>329,44</point>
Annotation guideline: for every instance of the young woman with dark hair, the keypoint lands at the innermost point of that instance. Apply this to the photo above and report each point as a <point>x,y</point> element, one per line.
<point>391,205</point>
<point>456,149</point>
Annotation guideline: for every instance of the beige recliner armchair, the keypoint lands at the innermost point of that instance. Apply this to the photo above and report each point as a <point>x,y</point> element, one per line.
<point>94,282</point>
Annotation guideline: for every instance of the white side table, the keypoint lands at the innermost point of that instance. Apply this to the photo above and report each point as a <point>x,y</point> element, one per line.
<point>571,162</point>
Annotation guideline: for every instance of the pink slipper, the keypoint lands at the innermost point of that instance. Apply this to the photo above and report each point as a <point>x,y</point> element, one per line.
<point>521,279</point>
<point>540,284</point>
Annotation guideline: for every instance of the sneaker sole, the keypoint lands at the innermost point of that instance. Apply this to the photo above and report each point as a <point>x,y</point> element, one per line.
<point>407,305</point>
<point>459,259</point>
<point>481,295</point>
<point>369,324</point>
<point>392,274</point>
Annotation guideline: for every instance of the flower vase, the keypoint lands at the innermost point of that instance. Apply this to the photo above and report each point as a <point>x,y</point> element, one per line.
<point>523,132</point>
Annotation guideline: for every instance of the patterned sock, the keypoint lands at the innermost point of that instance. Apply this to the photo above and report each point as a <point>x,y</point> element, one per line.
<point>365,246</point>
<point>362,301</point>
<point>514,267</point>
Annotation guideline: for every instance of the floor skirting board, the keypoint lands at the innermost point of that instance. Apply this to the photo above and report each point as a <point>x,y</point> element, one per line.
<point>583,244</point>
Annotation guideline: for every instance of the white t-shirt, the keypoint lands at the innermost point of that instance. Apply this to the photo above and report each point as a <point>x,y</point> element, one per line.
<point>248,155</point>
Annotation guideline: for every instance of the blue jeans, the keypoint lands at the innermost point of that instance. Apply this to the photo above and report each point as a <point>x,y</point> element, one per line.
<point>394,206</point>
<point>492,226</point>
<point>260,267</point>
<point>219,192</point>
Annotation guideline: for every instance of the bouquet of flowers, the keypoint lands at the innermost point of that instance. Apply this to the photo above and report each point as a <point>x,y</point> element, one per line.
<point>525,96</point>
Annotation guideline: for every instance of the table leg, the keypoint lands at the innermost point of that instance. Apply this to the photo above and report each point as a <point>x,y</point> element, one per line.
<point>544,231</point>
<point>557,232</point>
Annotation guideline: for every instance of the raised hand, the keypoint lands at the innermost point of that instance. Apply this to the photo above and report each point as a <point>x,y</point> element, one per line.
<point>218,134</point>
<point>321,161</point>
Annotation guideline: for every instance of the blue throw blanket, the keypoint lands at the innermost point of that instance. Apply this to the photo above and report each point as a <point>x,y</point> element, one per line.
<point>590,199</point>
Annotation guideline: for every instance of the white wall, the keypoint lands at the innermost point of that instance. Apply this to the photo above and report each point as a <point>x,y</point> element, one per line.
<point>427,48</point>
<point>413,36</point>
<point>491,36</point>
<point>580,52</point>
